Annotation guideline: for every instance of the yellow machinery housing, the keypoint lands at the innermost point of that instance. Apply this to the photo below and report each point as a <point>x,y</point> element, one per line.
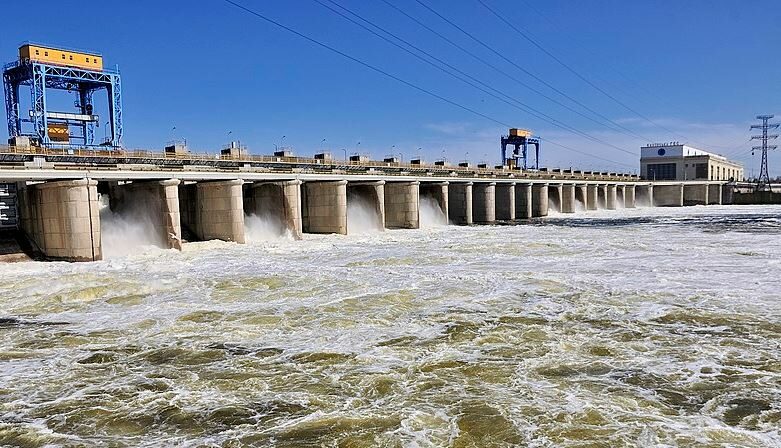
<point>515,132</point>
<point>54,56</point>
<point>58,132</point>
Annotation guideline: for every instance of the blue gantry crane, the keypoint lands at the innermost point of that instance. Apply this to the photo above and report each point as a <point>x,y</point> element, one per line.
<point>42,69</point>
<point>520,139</point>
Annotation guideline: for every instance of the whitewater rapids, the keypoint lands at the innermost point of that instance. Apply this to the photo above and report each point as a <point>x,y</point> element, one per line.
<point>641,327</point>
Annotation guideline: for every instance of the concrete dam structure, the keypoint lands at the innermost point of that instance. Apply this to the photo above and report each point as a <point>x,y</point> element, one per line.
<point>58,207</point>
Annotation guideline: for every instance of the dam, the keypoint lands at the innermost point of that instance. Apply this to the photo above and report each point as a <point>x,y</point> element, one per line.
<point>58,194</point>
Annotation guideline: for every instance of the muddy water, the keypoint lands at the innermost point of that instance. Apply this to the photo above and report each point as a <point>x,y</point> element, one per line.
<point>648,327</point>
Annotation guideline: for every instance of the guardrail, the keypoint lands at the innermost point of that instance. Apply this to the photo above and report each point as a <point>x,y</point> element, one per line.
<point>145,155</point>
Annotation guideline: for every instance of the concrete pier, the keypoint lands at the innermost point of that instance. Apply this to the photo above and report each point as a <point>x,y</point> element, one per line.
<point>644,195</point>
<point>567,198</point>
<point>402,205</point>
<point>62,219</point>
<point>439,192</point>
<point>278,202</point>
<point>629,196</point>
<point>696,194</point>
<point>714,194</point>
<point>554,197</point>
<point>484,202</point>
<point>157,200</point>
<point>213,210</point>
<point>460,203</point>
<point>324,207</point>
<point>505,201</point>
<point>523,200</point>
<point>610,197</point>
<point>668,195</point>
<point>591,196</point>
<point>372,194</point>
<point>540,200</point>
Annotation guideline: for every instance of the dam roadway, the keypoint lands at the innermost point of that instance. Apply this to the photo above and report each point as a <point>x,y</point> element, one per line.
<point>58,194</point>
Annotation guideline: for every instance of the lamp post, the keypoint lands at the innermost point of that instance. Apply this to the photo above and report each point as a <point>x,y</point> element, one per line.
<point>345,153</point>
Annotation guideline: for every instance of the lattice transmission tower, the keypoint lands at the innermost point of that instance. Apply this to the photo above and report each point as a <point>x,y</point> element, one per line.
<point>763,181</point>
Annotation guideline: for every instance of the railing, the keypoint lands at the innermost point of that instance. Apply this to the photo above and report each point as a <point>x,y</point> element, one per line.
<point>332,164</point>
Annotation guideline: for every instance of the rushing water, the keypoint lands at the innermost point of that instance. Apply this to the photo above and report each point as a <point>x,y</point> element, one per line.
<point>647,327</point>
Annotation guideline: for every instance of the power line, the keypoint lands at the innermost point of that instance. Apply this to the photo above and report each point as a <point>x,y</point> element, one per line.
<point>521,68</point>
<point>501,96</point>
<point>396,78</point>
<point>763,181</point>
<point>509,76</point>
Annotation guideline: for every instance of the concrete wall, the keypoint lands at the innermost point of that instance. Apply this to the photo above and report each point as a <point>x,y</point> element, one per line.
<point>439,191</point>
<point>629,196</point>
<point>279,202</point>
<point>213,210</point>
<point>484,202</point>
<point>158,200</point>
<point>668,195</point>
<point>695,194</point>
<point>402,205</point>
<point>567,198</point>
<point>591,196</point>
<point>540,200</point>
<point>324,207</point>
<point>62,219</point>
<point>610,198</point>
<point>523,200</point>
<point>460,203</point>
<point>505,201</point>
<point>714,194</point>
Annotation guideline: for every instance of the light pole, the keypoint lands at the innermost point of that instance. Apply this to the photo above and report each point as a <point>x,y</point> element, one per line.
<point>345,153</point>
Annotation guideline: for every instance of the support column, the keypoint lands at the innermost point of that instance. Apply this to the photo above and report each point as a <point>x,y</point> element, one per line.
<point>402,205</point>
<point>523,200</point>
<point>505,201</point>
<point>714,194</point>
<point>484,202</point>
<point>278,201</point>
<point>157,200</point>
<point>610,202</point>
<point>668,195</point>
<point>629,196</point>
<point>324,207</point>
<point>460,203</point>
<point>539,200</point>
<point>62,219</point>
<point>591,196</point>
<point>567,198</point>
<point>695,194</point>
<point>219,211</point>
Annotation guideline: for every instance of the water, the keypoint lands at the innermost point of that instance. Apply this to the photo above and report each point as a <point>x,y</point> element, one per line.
<point>362,216</point>
<point>125,233</point>
<point>648,327</point>
<point>431,214</point>
<point>264,227</point>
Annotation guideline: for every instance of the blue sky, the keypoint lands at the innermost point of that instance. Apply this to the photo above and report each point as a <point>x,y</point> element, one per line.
<point>696,71</point>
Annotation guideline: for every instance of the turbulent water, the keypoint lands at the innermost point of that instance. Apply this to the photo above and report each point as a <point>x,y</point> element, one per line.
<point>647,327</point>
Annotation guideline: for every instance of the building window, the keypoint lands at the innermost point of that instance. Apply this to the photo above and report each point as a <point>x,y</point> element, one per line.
<point>87,59</point>
<point>701,171</point>
<point>71,57</point>
<point>661,171</point>
<point>37,53</point>
<point>46,53</point>
<point>63,55</point>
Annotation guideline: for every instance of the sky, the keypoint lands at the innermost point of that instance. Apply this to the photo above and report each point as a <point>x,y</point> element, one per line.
<point>595,80</point>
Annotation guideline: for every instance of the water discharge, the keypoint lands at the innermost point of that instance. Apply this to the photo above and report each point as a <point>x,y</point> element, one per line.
<point>431,214</point>
<point>647,327</point>
<point>264,227</point>
<point>362,216</point>
<point>127,232</point>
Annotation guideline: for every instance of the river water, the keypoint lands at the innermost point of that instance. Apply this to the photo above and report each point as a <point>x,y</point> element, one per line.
<point>646,327</point>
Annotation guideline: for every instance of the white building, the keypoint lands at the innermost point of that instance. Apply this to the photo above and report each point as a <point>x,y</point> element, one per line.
<point>675,161</point>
